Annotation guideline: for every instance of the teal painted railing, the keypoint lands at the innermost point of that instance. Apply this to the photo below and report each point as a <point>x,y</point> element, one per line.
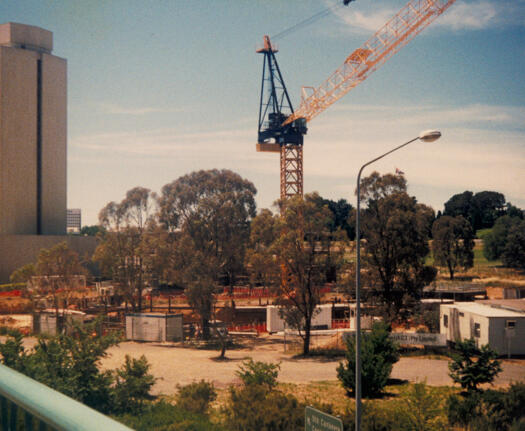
<point>44,408</point>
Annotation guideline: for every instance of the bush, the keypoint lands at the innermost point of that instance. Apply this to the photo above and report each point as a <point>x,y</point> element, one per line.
<point>490,410</point>
<point>163,416</point>
<point>470,372</point>
<point>70,365</point>
<point>259,373</point>
<point>132,385</point>
<point>254,407</point>
<point>378,355</point>
<point>196,397</point>
<point>257,405</point>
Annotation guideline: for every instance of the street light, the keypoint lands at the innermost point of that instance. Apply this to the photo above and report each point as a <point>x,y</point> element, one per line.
<point>426,136</point>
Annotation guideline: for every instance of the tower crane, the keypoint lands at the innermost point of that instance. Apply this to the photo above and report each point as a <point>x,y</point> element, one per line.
<point>281,129</point>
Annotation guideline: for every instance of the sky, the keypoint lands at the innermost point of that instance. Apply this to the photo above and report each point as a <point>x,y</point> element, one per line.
<point>160,88</point>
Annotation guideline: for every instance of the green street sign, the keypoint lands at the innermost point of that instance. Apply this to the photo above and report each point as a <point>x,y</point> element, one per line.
<point>316,420</point>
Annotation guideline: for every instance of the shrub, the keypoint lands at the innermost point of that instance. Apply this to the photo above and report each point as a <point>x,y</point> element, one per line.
<point>163,416</point>
<point>254,407</point>
<point>470,372</point>
<point>259,373</point>
<point>196,397</point>
<point>490,410</point>
<point>378,355</point>
<point>132,385</point>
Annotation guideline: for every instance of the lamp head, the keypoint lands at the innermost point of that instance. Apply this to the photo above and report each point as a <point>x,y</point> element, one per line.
<point>429,135</point>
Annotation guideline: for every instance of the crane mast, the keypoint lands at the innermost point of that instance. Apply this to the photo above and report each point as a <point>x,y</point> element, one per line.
<point>281,129</point>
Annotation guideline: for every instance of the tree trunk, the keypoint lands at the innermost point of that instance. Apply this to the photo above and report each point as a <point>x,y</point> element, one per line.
<point>205,323</point>
<point>306,340</point>
<point>451,271</point>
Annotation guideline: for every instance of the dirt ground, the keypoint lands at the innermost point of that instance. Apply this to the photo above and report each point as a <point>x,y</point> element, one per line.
<point>174,364</point>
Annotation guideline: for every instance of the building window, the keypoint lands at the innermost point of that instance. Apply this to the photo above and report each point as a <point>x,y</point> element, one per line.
<point>477,330</point>
<point>461,314</point>
<point>445,320</point>
<point>510,324</point>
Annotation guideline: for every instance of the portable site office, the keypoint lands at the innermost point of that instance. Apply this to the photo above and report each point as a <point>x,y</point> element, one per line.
<point>154,327</point>
<point>503,329</point>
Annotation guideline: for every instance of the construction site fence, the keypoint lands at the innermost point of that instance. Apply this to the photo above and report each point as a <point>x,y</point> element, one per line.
<point>248,327</point>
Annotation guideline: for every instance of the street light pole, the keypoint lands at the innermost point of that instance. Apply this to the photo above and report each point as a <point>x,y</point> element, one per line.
<point>427,136</point>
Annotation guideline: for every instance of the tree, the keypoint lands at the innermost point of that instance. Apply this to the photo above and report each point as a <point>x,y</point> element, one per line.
<point>488,206</point>
<point>494,242</point>
<point>378,355</point>
<point>395,228</point>
<point>132,385</point>
<point>93,230</point>
<point>211,211</point>
<point>480,209</point>
<point>470,372</point>
<point>122,253</point>
<point>513,254</point>
<point>341,211</point>
<point>261,263</point>
<point>57,275</point>
<point>453,243</point>
<point>23,274</point>
<point>308,252</point>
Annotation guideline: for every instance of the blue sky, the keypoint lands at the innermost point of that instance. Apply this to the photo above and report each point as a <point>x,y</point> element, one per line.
<point>161,88</point>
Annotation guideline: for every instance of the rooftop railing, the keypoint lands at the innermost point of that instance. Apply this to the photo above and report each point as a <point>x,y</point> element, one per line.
<point>44,408</point>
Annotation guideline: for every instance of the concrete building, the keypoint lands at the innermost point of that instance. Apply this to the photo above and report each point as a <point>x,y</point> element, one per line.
<point>33,140</point>
<point>33,113</point>
<point>74,220</point>
<point>499,326</point>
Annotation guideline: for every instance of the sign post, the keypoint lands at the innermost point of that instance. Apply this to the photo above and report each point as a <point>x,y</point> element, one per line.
<point>316,420</point>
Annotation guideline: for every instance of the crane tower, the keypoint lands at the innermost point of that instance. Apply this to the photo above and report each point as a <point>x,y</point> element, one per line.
<point>281,129</point>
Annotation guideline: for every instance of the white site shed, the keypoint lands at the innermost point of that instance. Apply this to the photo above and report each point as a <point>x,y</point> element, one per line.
<point>321,320</point>
<point>502,329</point>
<point>154,327</point>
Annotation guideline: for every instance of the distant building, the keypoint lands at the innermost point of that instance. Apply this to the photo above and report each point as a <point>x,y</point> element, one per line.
<point>74,220</point>
<point>33,140</point>
<point>33,114</point>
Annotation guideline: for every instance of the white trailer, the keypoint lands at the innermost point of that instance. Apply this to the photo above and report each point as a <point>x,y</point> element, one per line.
<point>321,320</point>
<point>502,329</point>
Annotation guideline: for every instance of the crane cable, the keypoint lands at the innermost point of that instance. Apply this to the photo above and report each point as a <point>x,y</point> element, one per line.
<point>310,20</point>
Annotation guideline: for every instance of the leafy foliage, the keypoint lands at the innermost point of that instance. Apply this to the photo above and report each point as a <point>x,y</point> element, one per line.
<point>308,252</point>
<point>196,397</point>
<point>162,416</point>
<point>378,355</point>
<point>259,373</point>
<point>472,366</point>
<point>210,211</point>
<point>257,405</point>
<point>71,364</point>
<point>396,229</point>
<point>122,253</point>
<point>480,209</point>
<point>453,243</point>
<point>495,241</point>
<point>132,385</point>
<point>489,410</point>
<point>514,252</point>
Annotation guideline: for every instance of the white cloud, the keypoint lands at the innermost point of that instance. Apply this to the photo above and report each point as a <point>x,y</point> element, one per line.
<point>462,15</point>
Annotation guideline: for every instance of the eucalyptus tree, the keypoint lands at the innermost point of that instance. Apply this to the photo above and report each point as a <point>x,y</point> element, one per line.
<point>209,213</point>
<point>122,252</point>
